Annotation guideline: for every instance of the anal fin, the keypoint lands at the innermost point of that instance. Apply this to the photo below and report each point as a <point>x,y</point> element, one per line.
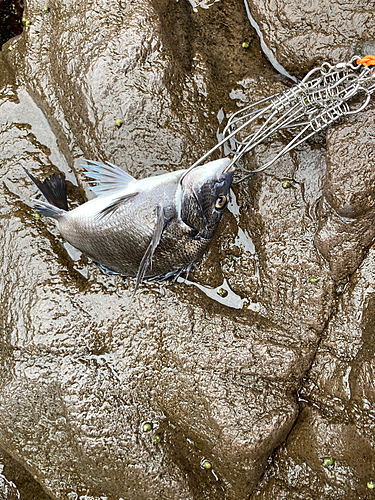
<point>105,269</point>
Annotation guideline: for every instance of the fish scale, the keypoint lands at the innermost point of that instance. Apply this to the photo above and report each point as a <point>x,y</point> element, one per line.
<point>112,240</point>
<point>149,228</point>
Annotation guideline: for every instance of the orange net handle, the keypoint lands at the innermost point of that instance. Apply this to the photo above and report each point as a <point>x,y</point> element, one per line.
<point>367,61</point>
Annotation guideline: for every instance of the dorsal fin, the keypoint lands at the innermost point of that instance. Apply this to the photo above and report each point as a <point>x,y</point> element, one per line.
<point>109,177</point>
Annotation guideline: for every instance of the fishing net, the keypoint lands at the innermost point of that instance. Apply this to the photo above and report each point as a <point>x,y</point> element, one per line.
<point>326,94</point>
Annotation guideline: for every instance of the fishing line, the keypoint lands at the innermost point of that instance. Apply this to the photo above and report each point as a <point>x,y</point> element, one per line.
<point>326,94</point>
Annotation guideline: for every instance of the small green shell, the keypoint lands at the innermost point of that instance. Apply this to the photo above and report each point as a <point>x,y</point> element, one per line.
<point>245,45</point>
<point>118,123</point>
<point>223,293</point>
<point>328,462</point>
<point>313,279</point>
<point>205,464</point>
<point>371,485</point>
<point>286,185</point>
<point>46,9</point>
<point>147,427</point>
<point>157,438</point>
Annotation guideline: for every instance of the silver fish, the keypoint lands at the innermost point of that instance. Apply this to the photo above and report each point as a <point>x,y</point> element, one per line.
<point>153,227</point>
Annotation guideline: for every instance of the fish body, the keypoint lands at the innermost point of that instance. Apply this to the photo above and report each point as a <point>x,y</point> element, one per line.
<point>153,227</point>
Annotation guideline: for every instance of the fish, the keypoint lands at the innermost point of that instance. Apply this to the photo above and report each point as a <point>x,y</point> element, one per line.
<point>151,228</point>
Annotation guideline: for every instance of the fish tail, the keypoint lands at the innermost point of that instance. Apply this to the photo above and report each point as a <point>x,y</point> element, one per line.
<point>53,188</point>
<point>48,210</point>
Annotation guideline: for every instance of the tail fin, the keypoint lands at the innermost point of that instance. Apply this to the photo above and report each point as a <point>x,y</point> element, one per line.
<point>54,191</point>
<point>48,210</point>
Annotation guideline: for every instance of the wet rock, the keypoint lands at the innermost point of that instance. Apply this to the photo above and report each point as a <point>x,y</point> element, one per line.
<point>10,19</point>
<point>8,490</point>
<point>339,419</point>
<point>304,34</point>
<point>16,481</point>
<point>347,208</point>
<point>84,366</point>
<point>299,466</point>
<point>92,369</point>
<point>146,63</point>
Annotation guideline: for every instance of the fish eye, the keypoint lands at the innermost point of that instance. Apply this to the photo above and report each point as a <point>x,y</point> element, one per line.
<point>220,202</point>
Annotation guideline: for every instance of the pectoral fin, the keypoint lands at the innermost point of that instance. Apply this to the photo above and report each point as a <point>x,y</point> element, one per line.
<point>110,209</point>
<point>155,240</point>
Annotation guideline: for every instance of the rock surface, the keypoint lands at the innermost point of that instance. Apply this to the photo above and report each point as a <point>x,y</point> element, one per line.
<point>347,208</point>
<point>84,366</point>
<point>303,34</point>
<point>338,401</point>
<point>12,473</point>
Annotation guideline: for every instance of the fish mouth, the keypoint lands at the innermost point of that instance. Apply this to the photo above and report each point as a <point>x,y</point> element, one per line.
<point>225,180</point>
<point>232,168</point>
<point>227,175</point>
<point>218,171</point>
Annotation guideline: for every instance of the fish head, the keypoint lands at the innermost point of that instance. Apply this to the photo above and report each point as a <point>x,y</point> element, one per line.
<point>205,191</point>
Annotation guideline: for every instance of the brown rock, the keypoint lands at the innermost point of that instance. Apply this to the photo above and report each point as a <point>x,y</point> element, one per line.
<point>84,365</point>
<point>347,209</point>
<point>338,421</point>
<point>303,34</point>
